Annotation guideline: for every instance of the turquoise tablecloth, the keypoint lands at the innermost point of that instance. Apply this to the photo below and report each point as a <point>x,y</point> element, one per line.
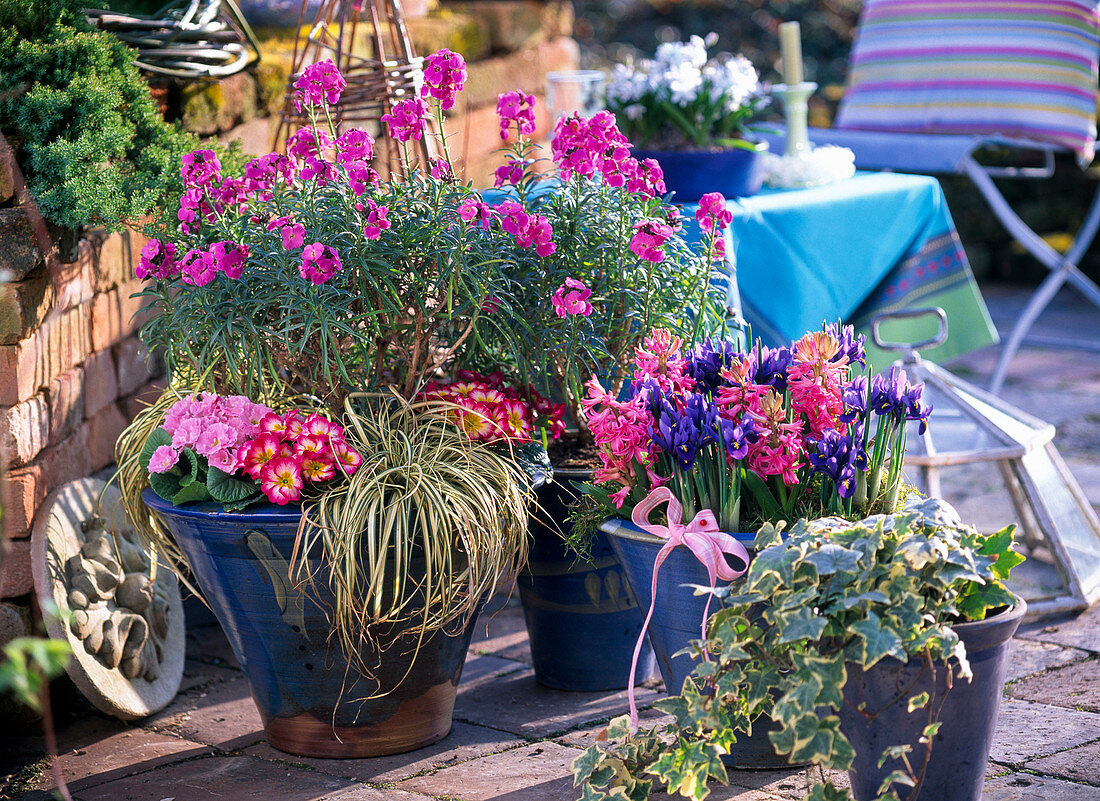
<point>877,242</point>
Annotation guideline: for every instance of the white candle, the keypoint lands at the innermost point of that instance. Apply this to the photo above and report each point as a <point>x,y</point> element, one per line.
<point>790,44</point>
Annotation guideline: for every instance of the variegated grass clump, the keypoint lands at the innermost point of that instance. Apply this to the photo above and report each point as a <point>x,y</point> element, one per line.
<point>415,539</point>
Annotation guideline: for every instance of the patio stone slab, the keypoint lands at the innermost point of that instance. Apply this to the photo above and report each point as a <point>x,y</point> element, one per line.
<point>786,783</point>
<point>1028,657</point>
<point>518,704</point>
<point>1074,686</point>
<point>1081,631</point>
<point>585,736</point>
<point>480,667</point>
<point>95,751</point>
<point>720,793</point>
<point>219,778</point>
<point>1080,764</point>
<point>223,715</point>
<point>465,742</point>
<point>208,644</point>
<point>503,634</point>
<point>1025,787</point>
<point>1027,731</point>
<point>539,771</point>
<point>375,794</point>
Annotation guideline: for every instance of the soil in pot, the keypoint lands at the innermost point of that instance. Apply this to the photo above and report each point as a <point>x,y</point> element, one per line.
<point>581,622</point>
<point>960,749</point>
<point>312,702</point>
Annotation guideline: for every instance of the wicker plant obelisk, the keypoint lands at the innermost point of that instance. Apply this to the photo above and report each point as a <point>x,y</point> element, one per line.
<point>375,80</point>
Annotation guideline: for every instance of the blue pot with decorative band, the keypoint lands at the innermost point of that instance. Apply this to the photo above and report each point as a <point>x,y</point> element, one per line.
<point>581,621</point>
<point>690,174</point>
<point>313,702</point>
<point>677,620</point>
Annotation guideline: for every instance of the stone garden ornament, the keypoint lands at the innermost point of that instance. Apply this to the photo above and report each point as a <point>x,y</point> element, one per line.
<point>123,620</point>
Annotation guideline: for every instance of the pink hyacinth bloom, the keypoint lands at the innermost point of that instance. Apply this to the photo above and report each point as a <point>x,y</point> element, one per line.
<point>318,84</point>
<point>158,260</point>
<point>406,121</point>
<point>319,263</point>
<point>649,237</point>
<point>475,212</point>
<point>444,77</point>
<point>294,235</point>
<point>164,459</point>
<point>376,221</point>
<point>519,108</point>
<point>572,299</point>
<point>510,172</point>
<point>198,268</point>
<point>229,258</point>
<point>354,144</point>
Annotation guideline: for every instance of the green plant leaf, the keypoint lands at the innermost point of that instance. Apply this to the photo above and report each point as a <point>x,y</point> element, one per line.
<point>229,489</point>
<point>801,625</point>
<point>876,640</point>
<point>155,440</point>
<point>166,485</point>
<point>919,701</point>
<point>831,558</point>
<point>192,492</point>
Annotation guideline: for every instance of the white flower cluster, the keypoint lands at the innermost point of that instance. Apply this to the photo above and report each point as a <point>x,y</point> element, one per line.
<point>679,72</point>
<point>821,165</point>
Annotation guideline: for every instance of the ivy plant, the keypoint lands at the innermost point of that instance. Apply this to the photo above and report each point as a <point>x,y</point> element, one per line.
<point>827,597</point>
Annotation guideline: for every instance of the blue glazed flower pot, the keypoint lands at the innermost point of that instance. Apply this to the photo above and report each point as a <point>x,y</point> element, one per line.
<point>690,174</point>
<point>311,701</point>
<point>581,621</point>
<point>677,620</point>
<point>956,769</point>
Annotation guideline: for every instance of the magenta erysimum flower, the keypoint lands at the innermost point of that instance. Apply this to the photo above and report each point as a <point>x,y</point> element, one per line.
<point>354,144</point>
<point>229,258</point>
<point>158,260</point>
<point>294,235</point>
<point>198,268</point>
<point>511,172</point>
<point>572,299</point>
<point>519,108</point>
<point>441,170</point>
<point>477,212</point>
<point>200,168</point>
<point>318,84</point>
<point>649,237</point>
<point>164,459</point>
<point>513,217</point>
<point>444,77</point>
<point>537,234</point>
<point>712,212</point>
<point>406,121</point>
<point>319,263</point>
<point>585,146</point>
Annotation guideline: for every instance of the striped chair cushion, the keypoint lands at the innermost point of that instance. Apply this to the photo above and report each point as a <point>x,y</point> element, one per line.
<point>1017,68</point>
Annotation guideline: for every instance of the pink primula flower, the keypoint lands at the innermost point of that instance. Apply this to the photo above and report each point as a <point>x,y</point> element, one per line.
<point>164,459</point>
<point>572,299</point>
<point>281,480</point>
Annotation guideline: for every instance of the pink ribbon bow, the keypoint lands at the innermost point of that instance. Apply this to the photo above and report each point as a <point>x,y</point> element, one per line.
<point>704,539</point>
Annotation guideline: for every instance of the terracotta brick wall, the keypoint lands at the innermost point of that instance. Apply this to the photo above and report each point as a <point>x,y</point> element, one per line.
<point>72,374</point>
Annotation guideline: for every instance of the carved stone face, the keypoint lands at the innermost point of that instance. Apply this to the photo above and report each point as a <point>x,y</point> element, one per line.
<point>119,614</point>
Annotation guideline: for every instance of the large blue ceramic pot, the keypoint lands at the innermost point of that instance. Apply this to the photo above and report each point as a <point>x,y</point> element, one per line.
<point>581,621</point>
<point>311,701</point>
<point>960,751</point>
<point>677,620</point>
<point>690,174</point>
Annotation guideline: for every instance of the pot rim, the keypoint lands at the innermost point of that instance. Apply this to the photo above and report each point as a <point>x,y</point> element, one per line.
<point>758,147</point>
<point>205,509</point>
<point>618,527</point>
<point>1017,610</point>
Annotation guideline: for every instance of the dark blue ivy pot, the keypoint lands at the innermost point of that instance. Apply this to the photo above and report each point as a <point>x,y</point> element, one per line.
<point>581,621</point>
<point>960,749</point>
<point>677,620</point>
<point>690,174</point>
<point>312,702</point>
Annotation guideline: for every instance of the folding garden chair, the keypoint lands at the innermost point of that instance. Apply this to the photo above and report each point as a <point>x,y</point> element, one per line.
<point>933,82</point>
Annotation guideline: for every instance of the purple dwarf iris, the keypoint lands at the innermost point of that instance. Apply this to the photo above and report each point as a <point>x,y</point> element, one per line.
<point>892,394</point>
<point>838,456</point>
<point>707,361</point>
<point>854,394</point>
<point>737,436</point>
<point>683,434</point>
<point>772,367</point>
<point>851,344</point>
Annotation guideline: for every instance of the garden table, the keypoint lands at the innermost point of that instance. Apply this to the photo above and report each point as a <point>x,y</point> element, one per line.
<point>848,251</point>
